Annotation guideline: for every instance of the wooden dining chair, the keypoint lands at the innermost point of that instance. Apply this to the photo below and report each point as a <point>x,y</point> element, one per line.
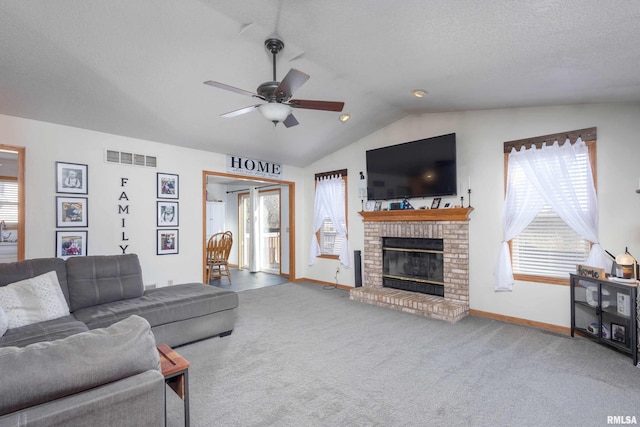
<point>218,250</point>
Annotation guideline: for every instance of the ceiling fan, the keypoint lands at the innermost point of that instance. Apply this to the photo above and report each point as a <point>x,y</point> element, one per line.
<point>278,94</point>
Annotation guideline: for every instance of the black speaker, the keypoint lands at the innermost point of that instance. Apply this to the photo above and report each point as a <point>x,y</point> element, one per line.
<point>357,267</point>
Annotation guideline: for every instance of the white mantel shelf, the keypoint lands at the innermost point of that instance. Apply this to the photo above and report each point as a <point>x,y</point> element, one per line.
<point>446,214</point>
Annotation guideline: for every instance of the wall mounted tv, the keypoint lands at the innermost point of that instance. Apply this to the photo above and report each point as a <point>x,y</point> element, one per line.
<point>422,168</point>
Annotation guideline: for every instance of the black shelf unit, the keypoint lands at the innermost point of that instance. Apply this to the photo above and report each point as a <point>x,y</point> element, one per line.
<point>606,312</point>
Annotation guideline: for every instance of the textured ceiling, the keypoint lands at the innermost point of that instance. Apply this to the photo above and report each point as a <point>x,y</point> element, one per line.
<point>136,68</point>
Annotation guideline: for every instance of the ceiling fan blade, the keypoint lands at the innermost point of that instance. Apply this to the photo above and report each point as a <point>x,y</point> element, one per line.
<point>231,88</point>
<point>290,121</point>
<point>241,111</point>
<point>291,82</point>
<point>317,105</point>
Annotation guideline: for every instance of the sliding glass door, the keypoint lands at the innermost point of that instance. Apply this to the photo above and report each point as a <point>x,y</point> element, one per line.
<point>267,217</point>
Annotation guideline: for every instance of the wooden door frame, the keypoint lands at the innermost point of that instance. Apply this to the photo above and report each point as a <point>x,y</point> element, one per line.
<point>292,228</point>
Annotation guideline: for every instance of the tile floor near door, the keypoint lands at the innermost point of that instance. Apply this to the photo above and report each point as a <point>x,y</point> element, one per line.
<point>242,280</point>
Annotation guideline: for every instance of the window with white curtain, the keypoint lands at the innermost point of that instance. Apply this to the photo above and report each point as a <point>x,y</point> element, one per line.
<point>330,241</point>
<point>548,249</point>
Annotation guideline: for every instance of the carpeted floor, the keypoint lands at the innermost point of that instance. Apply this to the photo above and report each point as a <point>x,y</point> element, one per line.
<point>303,355</point>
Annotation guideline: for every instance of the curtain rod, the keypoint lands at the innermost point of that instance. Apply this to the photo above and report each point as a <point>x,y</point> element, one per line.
<point>247,189</point>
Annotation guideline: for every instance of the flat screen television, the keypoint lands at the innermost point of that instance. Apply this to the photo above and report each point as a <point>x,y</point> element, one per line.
<point>422,168</point>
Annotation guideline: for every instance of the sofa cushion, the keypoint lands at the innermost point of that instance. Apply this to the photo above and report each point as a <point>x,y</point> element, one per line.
<point>43,331</point>
<point>163,305</point>
<point>14,271</point>
<point>98,280</point>
<point>55,369</point>
<point>33,300</point>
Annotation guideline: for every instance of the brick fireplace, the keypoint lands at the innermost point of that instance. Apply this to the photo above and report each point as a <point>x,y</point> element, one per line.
<point>450,225</point>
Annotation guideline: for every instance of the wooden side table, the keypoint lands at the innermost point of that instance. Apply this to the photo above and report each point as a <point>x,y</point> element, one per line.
<point>176,374</point>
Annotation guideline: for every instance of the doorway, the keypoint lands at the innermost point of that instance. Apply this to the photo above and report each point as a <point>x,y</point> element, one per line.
<point>268,244</point>
<point>12,203</point>
<point>277,233</point>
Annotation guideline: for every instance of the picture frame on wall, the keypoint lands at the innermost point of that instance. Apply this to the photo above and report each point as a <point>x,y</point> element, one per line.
<point>72,212</point>
<point>71,243</point>
<point>167,186</point>
<point>167,214</point>
<point>167,241</point>
<point>72,178</point>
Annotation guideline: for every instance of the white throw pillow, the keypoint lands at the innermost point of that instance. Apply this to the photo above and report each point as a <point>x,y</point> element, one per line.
<point>33,300</point>
<point>4,322</point>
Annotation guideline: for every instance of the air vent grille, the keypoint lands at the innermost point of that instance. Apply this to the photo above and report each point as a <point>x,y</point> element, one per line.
<point>126,158</point>
<point>112,156</point>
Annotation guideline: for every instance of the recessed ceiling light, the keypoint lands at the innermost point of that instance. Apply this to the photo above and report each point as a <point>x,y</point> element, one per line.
<point>344,117</point>
<point>419,93</point>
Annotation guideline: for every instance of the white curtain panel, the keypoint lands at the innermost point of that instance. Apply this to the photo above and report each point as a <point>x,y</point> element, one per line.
<point>254,230</point>
<point>548,181</point>
<point>329,202</point>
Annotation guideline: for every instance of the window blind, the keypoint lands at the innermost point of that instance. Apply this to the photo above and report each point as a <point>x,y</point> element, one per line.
<point>9,202</point>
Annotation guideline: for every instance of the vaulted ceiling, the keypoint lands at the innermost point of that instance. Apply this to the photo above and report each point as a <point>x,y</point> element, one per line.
<point>136,67</point>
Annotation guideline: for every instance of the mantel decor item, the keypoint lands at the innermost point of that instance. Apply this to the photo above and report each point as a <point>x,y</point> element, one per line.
<point>71,178</point>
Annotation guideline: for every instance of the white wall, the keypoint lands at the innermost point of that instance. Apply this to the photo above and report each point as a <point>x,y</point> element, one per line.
<point>47,143</point>
<point>480,135</point>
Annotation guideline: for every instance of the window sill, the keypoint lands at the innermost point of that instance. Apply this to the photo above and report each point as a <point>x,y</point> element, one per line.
<point>541,279</point>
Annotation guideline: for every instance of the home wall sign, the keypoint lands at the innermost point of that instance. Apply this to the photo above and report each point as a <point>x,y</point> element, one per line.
<point>251,167</point>
<point>123,209</point>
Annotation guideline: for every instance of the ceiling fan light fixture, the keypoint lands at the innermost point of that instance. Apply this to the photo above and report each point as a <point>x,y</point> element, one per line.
<point>344,117</point>
<point>275,112</point>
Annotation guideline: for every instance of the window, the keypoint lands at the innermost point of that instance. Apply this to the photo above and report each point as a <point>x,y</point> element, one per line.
<point>328,237</point>
<point>547,250</point>
<point>9,201</point>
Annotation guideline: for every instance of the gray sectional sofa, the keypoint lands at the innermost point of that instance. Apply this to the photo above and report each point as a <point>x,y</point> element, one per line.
<point>101,290</point>
<point>95,362</point>
<point>104,377</point>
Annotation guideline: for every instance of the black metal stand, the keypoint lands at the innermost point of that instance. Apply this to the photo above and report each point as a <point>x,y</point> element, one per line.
<point>469,201</point>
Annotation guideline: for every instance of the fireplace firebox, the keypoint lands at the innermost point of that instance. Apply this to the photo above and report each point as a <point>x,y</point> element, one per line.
<point>413,264</point>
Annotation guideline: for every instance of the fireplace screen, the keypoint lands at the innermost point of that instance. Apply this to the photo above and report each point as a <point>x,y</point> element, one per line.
<point>413,265</point>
